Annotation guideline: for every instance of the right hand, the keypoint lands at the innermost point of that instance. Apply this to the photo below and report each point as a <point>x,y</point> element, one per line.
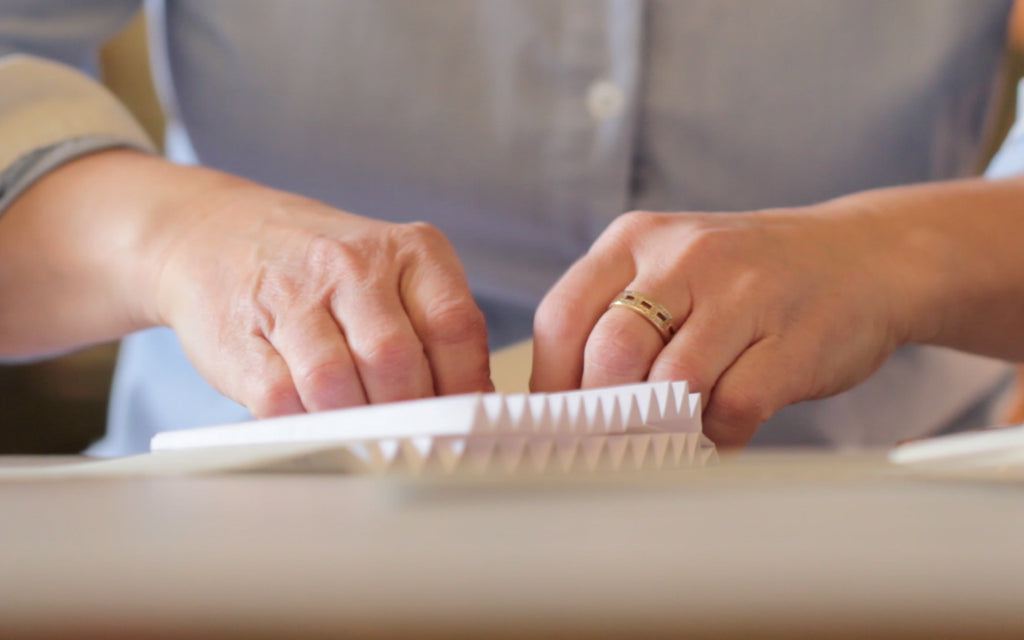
<point>287,305</point>
<point>771,307</point>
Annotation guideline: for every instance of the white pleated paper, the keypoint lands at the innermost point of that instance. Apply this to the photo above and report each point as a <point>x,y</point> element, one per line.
<point>638,426</point>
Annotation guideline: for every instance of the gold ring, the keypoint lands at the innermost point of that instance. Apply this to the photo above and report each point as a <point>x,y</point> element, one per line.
<point>653,312</point>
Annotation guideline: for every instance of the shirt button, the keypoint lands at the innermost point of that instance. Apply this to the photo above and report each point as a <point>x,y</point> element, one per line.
<point>604,100</point>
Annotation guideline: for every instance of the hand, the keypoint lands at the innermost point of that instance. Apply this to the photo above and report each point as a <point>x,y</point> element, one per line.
<point>287,305</point>
<point>771,307</point>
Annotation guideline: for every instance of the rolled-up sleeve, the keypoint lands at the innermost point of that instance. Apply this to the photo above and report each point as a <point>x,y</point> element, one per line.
<point>51,113</point>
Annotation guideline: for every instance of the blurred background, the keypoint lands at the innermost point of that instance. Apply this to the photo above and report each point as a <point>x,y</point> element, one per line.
<point>59,405</point>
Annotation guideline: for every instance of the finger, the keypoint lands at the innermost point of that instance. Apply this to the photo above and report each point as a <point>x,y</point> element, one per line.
<point>260,380</point>
<point>386,350</point>
<point>760,382</point>
<point>706,344</point>
<point>625,342</point>
<point>318,359</point>
<point>450,326</point>
<point>569,312</point>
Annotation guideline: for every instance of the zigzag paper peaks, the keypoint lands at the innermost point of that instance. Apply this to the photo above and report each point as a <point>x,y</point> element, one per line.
<point>517,454</point>
<point>645,425</point>
<point>666,405</point>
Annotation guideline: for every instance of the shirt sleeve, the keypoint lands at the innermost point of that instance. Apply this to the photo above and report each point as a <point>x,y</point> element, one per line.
<point>51,113</point>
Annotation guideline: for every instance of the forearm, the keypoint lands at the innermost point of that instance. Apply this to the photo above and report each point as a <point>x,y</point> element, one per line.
<point>79,248</point>
<point>950,261</point>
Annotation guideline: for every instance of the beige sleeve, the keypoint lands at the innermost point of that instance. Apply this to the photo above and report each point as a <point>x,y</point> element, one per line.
<point>51,113</point>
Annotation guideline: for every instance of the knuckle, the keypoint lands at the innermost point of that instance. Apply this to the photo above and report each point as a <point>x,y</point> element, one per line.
<point>709,242</point>
<point>613,351</point>
<point>739,247</point>
<point>628,226</point>
<point>323,252</point>
<point>420,234</point>
<point>272,396</point>
<point>454,321</point>
<point>317,374</point>
<point>739,410</point>
<point>677,369</point>
<point>269,287</point>
<point>726,253</point>
<point>555,320</point>
<point>636,220</point>
<point>394,354</point>
<point>326,256</point>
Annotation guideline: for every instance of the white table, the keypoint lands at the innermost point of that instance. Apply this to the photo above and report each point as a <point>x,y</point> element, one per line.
<point>763,545</point>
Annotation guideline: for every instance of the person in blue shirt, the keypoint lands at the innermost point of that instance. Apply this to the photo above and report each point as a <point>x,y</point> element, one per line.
<point>771,200</point>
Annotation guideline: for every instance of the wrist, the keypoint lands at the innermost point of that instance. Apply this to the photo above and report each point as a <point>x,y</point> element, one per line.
<point>173,203</point>
<point>910,255</point>
<point>86,241</point>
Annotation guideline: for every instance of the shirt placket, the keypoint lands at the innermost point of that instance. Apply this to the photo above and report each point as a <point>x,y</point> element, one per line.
<point>592,153</point>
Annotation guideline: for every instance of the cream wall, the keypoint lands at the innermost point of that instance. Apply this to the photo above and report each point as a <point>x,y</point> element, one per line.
<point>124,64</point>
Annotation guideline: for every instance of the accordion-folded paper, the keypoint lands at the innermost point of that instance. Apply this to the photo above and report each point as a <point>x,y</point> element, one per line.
<point>637,426</point>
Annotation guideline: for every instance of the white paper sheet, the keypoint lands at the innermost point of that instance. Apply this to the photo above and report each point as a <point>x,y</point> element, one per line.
<point>638,426</point>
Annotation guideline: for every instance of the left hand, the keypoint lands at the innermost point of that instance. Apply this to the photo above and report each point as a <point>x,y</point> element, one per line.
<point>771,307</point>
